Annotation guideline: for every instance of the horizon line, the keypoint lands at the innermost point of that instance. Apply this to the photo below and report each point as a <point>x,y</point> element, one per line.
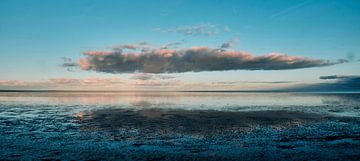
<point>184,91</point>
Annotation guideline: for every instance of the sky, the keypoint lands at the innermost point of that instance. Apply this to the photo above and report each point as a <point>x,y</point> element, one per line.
<point>180,44</point>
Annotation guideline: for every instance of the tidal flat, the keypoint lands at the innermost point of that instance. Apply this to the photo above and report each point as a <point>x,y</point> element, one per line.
<point>179,126</point>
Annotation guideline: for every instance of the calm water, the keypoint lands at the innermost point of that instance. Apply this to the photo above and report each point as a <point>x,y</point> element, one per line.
<point>179,125</point>
<point>337,104</point>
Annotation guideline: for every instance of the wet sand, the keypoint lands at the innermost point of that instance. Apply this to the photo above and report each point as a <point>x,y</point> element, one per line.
<point>108,132</point>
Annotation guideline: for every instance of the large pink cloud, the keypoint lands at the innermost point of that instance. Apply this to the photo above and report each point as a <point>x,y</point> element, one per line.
<point>194,59</point>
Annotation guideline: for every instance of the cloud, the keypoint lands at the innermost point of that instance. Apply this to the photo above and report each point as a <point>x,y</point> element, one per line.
<point>257,82</point>
<point>230,44</point>
<point>226,83</point>
<point>86,81</point>
<point>13,83</point>
<point>269,82</point>
<point>153,80</point>
<point>227,45</point>
<point>142,76</point>
<point>158,83</point>
<point>140,82</point>
<point>142,47</point>
<point>287,11</point>
<point>195,30</point>
<point>194,59</point>
<point>351,56</point>
<point>227,29</point>
<point>139,47</point>
<point>172,45</point>
<point>62,83</point>
<point>334,83</point>
<point>337,77</point>
<point>136,46</point>
<point>145,76</point>
<point>68,62</point>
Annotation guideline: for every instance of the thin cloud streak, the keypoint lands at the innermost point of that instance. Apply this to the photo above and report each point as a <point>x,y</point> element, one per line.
<point>146,76</point>
<point>141,81</point>
<point>195,30</point>
<point>286,11</point>
<point>66,82</point>
<point>254,82</point>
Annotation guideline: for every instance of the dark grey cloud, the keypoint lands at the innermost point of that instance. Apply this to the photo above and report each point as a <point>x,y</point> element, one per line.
<point>334,83</point>
<point>227,45</point>
<point>269,82</point>
<point>337,77</point>
<point>195,59</point>
<point>230,44</point>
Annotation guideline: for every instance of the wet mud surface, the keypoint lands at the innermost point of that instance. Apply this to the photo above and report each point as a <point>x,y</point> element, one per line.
<point>104,132</point>
<point>177,134</point>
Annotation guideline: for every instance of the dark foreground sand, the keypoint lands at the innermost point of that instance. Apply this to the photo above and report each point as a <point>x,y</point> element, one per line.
<point>47,132</point>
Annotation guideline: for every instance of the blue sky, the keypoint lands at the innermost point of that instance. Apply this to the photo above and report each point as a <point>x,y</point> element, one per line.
<point>35,35</point>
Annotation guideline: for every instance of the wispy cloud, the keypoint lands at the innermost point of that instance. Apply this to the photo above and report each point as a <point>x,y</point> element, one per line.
<point>172,45</point>
<point>69,64</point>
<point>62,82</point>
<point>287,11</point>
<point>205,29</point>
<point>146,76</point>
<point>140,81</point>
<point>85,82</point>
<point>11,83</point>
<point>351,57</point>
<point>194,59</point>
<point>158,83</point>
<point>253,82</point>
<point>142,46</point>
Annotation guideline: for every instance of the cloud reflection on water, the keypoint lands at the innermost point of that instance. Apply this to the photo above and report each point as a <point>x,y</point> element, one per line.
<point>200,123</point>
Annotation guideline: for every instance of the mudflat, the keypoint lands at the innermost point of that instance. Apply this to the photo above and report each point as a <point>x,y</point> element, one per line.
<point>154,128</point>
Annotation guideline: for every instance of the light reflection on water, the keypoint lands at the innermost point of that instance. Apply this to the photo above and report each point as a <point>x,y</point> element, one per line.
<point>178,98</point>
<point>349,103</point>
